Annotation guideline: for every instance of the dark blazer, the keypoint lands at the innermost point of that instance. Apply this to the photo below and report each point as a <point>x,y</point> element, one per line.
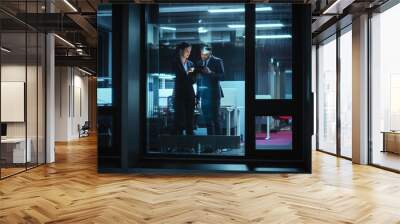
<point>208,85</point>
<point>183,81</point>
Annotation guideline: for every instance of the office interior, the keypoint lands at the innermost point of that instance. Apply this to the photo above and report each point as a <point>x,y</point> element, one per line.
<point>224,33</point>
<point>79,88</point>
<point>308,120</point>
<point>273,104</point>
<point>22,97</point>
<point>333,77</point>
<point>29,60</point>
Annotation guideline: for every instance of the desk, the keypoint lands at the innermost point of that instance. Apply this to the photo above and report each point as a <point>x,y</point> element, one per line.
<point>15,149</point>
<point>391,141</point>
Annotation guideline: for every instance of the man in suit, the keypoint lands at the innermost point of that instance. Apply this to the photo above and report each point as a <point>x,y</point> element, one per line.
<point>209,90</point>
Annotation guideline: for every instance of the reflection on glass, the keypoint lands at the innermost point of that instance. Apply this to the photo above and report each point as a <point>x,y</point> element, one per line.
<point>346,94</point>
<point>195,80</point>
<point>274,133</point>
<point>327,96</point>
<point>106,126</point>
<point>385,89</point>
<point>274,52</point>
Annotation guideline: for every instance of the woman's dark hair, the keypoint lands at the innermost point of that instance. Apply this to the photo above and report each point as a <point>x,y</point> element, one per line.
<point>182,46</point>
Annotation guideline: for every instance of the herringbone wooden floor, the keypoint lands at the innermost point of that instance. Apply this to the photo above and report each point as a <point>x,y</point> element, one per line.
<point>71,191</point>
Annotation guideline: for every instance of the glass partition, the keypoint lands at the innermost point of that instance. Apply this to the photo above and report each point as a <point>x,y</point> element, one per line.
<point>195,79</point>
<point>274,133</point>
<point>346,94</point>
<point>327,96</point>
<point>108,94</point>
<point>22,88</point>
<point>32,98</point>
<point>273,51</point>
<point>385,89</point>
<point>15,149</point>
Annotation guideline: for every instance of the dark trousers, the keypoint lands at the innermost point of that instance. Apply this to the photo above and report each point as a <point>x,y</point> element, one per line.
<point>211,114</point>
<point>184,113</point>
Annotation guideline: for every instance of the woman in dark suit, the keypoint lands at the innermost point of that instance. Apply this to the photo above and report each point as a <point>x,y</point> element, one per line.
<point>184,101</point>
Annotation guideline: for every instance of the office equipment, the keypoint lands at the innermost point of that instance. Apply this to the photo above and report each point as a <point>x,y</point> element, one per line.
<point>84,129</point>
<point>230,97</point>
<point>12,101</point>
<point>15,152</point>
<point>391,141</point>
<point>3,130</point>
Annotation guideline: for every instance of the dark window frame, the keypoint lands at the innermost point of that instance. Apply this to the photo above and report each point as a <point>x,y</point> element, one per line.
<point>252,106</point>
<point>334,37</point>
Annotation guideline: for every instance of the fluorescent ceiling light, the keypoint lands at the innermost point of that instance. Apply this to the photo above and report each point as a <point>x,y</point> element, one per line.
<point>5,50</point>
<point>226,10</point>
<point>178,9</point>
<point>276,36</point>
<point>263,9</point>
<point>167,28</point>
<point>259,9</point>
<point>202,30</point>
<point>65,41</point>
<point>70,5</point>
<point>84,71</point>
<point>267,25</point>
<point>288,71</point>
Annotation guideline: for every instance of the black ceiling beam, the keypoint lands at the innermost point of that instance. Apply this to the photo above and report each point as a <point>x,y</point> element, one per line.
<point>78,61</point>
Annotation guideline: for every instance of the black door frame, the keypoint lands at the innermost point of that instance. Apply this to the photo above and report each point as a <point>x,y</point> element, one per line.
<point>294,107</point>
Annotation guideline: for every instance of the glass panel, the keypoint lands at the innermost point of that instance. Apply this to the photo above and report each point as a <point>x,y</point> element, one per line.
<point>32,98</point>
<point>107,126</point>
<point>195,94</point>
<point>13,86</point>
<point>346,94</point>
<point>327,97</point>
<point>385,84</point>
<point>274,133</point>
<point>41,99</point>
<point>273,51</point>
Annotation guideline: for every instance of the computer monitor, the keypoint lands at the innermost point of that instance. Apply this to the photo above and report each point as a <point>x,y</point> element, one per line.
<point>3,130</point>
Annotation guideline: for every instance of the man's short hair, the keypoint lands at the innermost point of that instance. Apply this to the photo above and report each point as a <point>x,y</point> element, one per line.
<point>206,49</point>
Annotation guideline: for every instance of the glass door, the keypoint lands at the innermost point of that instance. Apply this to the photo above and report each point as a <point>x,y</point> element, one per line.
<point>278,86</point>
<point>273,76</point>
<point>221,80</point>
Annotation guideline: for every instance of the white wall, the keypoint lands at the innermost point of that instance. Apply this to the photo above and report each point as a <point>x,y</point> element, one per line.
<point>71,102</point>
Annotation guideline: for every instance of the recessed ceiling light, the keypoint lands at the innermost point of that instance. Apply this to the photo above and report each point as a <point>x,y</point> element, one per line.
<point>167,28</point>
<point>274,36</point>
<point>202,30</point>
<point>266,25</point>
<point>231,10</point>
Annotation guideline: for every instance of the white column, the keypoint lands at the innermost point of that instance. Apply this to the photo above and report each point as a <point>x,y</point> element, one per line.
<point>360,90</point>
<point>50,98</point>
